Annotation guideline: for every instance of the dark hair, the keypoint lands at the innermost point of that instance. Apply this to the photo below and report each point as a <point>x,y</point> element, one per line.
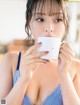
<point>34,4</point>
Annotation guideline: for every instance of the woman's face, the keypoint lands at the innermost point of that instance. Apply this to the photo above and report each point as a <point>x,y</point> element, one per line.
<point>48,23</point>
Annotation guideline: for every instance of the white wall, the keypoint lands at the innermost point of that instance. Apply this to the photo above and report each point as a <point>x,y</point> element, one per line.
<point>12,19</point>
<point>73,7</point>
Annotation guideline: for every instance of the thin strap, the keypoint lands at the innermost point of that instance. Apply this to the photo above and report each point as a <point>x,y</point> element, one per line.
<point>18,64</point>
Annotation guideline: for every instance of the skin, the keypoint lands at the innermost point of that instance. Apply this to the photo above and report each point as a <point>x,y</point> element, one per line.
<point>38,77</point>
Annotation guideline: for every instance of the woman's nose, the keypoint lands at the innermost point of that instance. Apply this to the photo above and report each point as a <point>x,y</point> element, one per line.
<point>49,27</point>
<point>49,30</point>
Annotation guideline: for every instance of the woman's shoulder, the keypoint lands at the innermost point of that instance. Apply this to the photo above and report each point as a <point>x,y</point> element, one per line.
<point>14,60</point>
<point>76,65</point>
<point>9,59</point>
<point>74,68</point>
<point>10,56</point>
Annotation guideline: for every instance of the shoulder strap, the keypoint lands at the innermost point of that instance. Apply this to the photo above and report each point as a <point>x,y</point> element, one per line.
<point>18,64</point>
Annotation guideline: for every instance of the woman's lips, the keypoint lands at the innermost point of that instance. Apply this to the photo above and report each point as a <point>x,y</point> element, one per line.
<point>48,36</point>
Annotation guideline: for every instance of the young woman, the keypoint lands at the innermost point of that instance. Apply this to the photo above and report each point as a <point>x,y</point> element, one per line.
<point>35,80</point>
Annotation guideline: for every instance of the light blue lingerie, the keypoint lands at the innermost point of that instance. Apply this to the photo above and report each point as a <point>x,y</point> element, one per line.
<point>55,98</point>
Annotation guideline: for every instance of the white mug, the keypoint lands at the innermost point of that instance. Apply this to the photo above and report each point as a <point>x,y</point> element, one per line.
<point>51,44</point>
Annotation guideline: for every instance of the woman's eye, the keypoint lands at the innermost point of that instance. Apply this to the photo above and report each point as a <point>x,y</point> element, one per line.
<point>40,19</point>
<point>58,20</point>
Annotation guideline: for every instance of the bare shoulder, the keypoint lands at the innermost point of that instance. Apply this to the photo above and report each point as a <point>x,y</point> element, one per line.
<point>9,60</point>
<point>77,63</point>
<point>14,60</point>
<point>73,68</point>
<point>6,61</point>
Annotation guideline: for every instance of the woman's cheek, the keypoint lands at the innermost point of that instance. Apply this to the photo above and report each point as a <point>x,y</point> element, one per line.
<point>60,30</point>
<point>37,31</point>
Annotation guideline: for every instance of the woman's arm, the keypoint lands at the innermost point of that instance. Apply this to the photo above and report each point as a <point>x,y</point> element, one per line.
<point>77,76</point>
<point>13,96</point>
<point>69,93</point>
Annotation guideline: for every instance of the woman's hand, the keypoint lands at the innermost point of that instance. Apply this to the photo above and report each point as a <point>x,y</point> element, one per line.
<point>30,61</point>
<point>66,56</point>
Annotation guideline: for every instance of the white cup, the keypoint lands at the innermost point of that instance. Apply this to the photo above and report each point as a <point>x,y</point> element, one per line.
<point>50,44</point>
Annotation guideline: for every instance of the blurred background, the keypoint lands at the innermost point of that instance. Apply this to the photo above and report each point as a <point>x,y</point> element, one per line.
<point>12,26</point>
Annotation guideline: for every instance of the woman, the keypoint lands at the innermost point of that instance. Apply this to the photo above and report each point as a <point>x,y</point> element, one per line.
<point>35,80</point>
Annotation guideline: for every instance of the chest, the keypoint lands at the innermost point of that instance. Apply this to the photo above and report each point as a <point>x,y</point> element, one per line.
<point>48,81</point>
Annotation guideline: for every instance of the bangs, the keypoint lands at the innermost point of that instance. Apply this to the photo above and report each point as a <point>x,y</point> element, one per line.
<point>52,6</point>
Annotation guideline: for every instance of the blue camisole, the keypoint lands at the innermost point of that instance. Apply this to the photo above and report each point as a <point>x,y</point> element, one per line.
<point>55,98</point>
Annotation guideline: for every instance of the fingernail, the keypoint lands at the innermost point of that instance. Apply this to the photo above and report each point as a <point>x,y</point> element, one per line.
<point>46,51</point>
<point>46,60</point>
<point>39,43</point>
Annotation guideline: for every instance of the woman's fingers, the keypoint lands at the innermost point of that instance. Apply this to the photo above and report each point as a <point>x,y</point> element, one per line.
<point>33,48</point>
<point>66,52</point>
<point>61,56</point>
<point>36,55</point>
<point>67,47</point>
<point>65,59</point>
